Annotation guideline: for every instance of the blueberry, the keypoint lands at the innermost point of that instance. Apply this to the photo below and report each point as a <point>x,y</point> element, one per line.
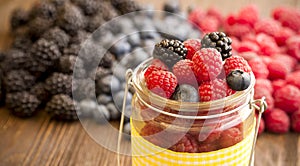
<point>186,93</point>
<point>120,48</point>
<point>101,114</point>
<point>115,114</point>
<point>107,84</point>
<point>127,113</point>
<point>238,80</point>
<point>87,107</point>
<point>172,6</point>
<point>134,39</point>
<point>104,99</point>
<point>127,130</point>
<point>118,99</point>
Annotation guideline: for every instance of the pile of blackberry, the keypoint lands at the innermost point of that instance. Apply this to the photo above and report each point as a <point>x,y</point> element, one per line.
<point>38,68</point>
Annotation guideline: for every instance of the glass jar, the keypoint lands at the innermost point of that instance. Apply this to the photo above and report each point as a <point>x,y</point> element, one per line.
<point>170,132</point>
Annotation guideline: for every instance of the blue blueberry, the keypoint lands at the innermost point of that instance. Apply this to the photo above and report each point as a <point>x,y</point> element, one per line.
<point>186,93</point>
<point>87,107</point>
<point>238,80</point>
<point>104,99</point>
<point>115,114</point>
<point>101,114</point>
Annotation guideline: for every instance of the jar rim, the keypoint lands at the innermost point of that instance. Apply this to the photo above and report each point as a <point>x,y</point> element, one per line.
<point>143,92</point>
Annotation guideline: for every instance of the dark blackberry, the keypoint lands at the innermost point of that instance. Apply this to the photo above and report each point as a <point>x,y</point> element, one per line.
<point>71,19</point>
<point>72,50</point>
<point>58,36</point>
<point>58,3</point>
<point>80,37</point>
<point>84,89</point>
<point>125,6</point>
<point>40,92</point>
<point>19,17</point>
<point>38,26</point>
<point>94,23</point>
<point>102,72</point>
<point>44,10</point>
<point>22,104</point>
<point>18,80</point>
<point>44,51</point>
<point>35,68</point>
<point>15,59</point>
<point>107,60</point>
<point>107,11</point>
<point>62,107</point>
<point>219,41</point>
<point>170,51</point>
<point>22,43</point>
<point>89,7</point>
<point>67,64</point>
<point>59,83</point>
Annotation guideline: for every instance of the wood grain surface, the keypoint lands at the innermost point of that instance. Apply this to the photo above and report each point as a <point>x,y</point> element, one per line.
<point>42,141</point>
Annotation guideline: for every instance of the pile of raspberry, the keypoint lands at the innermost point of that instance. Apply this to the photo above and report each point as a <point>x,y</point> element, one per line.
<point>272,48</point>
<point>195,70</point>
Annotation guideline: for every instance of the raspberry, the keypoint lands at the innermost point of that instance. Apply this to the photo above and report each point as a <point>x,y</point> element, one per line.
<point>263,84</point>
<point>207,138</point>
<point>267,44</point>
<point>277,69</point>
<point>155,65</point>
<point>266,59</point>
<point>282,35</point>
<point>294,79</point>
<point>293,47</point>
<point>162,83</point>
<point>186,144</point>
<point>278,12</point>
<point>249,55</point>
<point>261,127</point>
<point>236,62</point>
<point>207,147</point>
<point>287,98</point>
<point>207,64</point>
<point>277,121</point>
<point>213,90</point>
<point>267,26</point>
<point>259,69</point>
<point>230,19</point>
<point>278,84</point>
<point>237,30</point>
<point>230,137</point>
<point>248,15</point>
<point>289,61</point>
<point>151,132</point>
<point>261,92</point>
<point>183,70</point>
<point>196,16</point>
<point>291,19</point>
<point>295,118</point>
<point>209,24</point>
<point>214,12</point>
<point>235,43</point>
<point>246,46</point>
<point>192,45</point>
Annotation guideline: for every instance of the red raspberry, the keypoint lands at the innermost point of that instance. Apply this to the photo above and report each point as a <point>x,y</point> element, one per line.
<point>207,138</point>
<point>214,12</point>
<point>289,61</point>
<point>291,19</point>
<point>261,127</point>
<point>236,62</point>
<point>230,19</point>
<point>287,98</point>
<point>207,147</point>
<point>235,43</point>
<point>183,70</point>
<point>293,47</point>
<point>196,16</point>
<point>213,90</point>
<point>151,132</point>
<point>278,11</point>
<point>295,118</point>
<point>192,45</point>
<point>294,79</point>
<point>237,30</point>
<point>230,137</point>
<point>277,121</point>
<point>278,84</point>
<point>207,64</point>
<point>260,92</point>
<point>248,15</point>
<point>277,70</point>
<point>162,83</point>
<point>282,35</point>
<point>155,65</point>
<point>267,44</point>
<point>263,84</point>
<point>249,55</point>
<point>267,26</point>
<point>246,46</point>
<point>258,67</point>
<point>209,24</point>
<point>186,144</point>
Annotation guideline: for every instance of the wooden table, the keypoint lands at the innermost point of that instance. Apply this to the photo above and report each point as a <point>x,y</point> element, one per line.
<point>42,141</point>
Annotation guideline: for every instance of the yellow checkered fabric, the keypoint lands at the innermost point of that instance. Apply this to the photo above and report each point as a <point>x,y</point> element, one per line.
<point>145,153</point>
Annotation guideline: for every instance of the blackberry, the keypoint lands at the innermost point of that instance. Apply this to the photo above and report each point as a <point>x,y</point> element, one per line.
<point>71,19</point>
<point>19,17</point>
<point>58,36</point>
<point>15,59</point>
<point>45,10</point>
<point>107,11</point>
<point>38,26</point>
<point>59,83</point>
<point>35,68</point>
<point>84,89</point>
<point>89,7</point>
<point>72,50</point>
<point>107,60</point>
<point>80,37</point>
<point>45,52</point>
<point>67,64</point>
<point>219,41</point>
<point>170,51</point>
<point>125,6</point>
<point>40,92</point>
<point>18,80</point>
<point>58,3</point>
<point>22,43</point>
<point>22,104</point>
<point>94,23</point>
<point>62,107</point>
